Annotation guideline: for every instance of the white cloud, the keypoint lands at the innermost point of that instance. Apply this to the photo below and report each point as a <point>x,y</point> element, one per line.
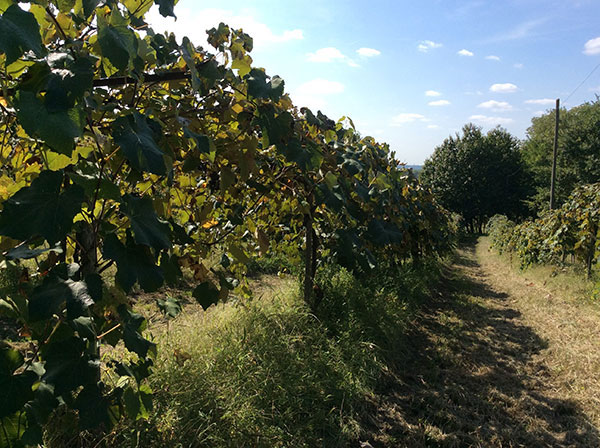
<point>541,102</point>
<point>328,54</point>
<point>313,93</point>
<point>439,103</point>
<point>504,88</point>
<point>432,93</point>
<point>465,52</point>
<point>491,57</point>
<point>368,52</point>
<point>518,65</point>
<point>521,31</point>
<point>496,106</point>
<point>592,46</point>
<point>432,126</point>
<point>490,121</point>
<point>194,23</point>
<point>426,45</point>
<point>407,118</point>
<point>595,89</point>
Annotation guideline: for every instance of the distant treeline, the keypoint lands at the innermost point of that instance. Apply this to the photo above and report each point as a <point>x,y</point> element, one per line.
<point>480,175</point>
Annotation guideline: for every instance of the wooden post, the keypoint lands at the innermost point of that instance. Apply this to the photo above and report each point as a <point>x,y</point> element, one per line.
<point>555,152</point>
<point>308,259</point>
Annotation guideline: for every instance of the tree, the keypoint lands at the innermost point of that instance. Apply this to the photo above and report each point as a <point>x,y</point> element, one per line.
<point>478,175</point>
<point>578,161</point>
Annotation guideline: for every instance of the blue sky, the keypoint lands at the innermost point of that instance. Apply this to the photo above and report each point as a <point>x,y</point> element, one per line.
<point>410,73</point>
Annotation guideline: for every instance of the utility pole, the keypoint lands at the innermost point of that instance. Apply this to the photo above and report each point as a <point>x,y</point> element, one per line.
<point>557,114</point>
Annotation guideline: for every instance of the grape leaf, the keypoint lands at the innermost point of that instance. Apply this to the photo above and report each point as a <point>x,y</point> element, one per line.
<point>165,7</point>
<point>58,128</point>
<point>133,133</point>
<point>259,87</point>
<point>147,228</point>
<point>206,294</point>
<point>116,39</point>
<point>41,209</point>
<point>134,264</point>
<point>19,33</point>
<point>47,299</point>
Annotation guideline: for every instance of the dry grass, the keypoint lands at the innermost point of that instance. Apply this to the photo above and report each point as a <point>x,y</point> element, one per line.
<point>497,360</point>
<point>558,308</point>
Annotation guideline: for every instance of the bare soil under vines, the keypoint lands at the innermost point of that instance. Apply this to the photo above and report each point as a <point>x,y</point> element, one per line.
<point>498,359</point>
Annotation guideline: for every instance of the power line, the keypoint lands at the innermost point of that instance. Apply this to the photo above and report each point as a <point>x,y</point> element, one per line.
<point>582,82</point>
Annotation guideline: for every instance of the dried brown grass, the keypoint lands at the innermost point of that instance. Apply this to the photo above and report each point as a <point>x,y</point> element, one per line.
<point>497,360</point>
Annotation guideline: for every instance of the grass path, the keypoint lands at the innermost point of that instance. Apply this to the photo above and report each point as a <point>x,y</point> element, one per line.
<point>497,360</point>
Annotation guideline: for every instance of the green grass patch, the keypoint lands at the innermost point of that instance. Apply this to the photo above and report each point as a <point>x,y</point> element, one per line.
<point>268,373</point>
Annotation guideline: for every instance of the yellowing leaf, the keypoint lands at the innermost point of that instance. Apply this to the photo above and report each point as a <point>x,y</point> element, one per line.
<point>57,161</point>
<point>5,184</point>
<point>210,224</point>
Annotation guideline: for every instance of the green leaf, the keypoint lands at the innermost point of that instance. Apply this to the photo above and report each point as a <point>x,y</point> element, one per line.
<point>165,7</point>
<point>135,134</point>
<point>85,327</point>
<point>170,268</point>
<point>94,285</point>
<point>225,261</point>
<point>65,5</point>
<point>41,209</point>
<point>133,323</point>
<point>134,264</point>
<point>203,143</point>
<point>147,228</point>
<point>180,235</point>
<point>68,366</point>
<point>67,81</point>
<point>170,307</point>
<point>58,129</point>
<point>131,402</point>
<point>259,87</point>
<point>116,39</point>
<point>10,360</point>
<point>23,252</point>
<point>16,391</point>
<point>206,294</point>
<point>47,299</point>
<point>187,52</point>
<point>239,255</point>
<point>383,233</point>
<point>307,157</point>
<point>138,370</point>
<point>217,37</point>
<point>19,33</point>
<point>33,435</point>
<point>13,430</point>
<point>138,404</point>
<point>93,408</point>
<point>43,403</point>
<point>89,6</point>
<point>88,180</point>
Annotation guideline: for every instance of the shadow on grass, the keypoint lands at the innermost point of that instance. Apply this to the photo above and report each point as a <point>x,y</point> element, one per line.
<point>469,377</point>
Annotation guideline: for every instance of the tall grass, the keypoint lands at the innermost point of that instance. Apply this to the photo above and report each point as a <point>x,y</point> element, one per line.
<point>268,373</point>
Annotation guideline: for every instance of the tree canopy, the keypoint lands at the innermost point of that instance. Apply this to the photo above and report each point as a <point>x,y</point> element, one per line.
<point>478,175</point>
<point>578,161</point>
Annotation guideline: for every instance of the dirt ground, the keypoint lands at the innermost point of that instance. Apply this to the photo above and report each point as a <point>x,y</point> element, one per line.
<point>496,360</point>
